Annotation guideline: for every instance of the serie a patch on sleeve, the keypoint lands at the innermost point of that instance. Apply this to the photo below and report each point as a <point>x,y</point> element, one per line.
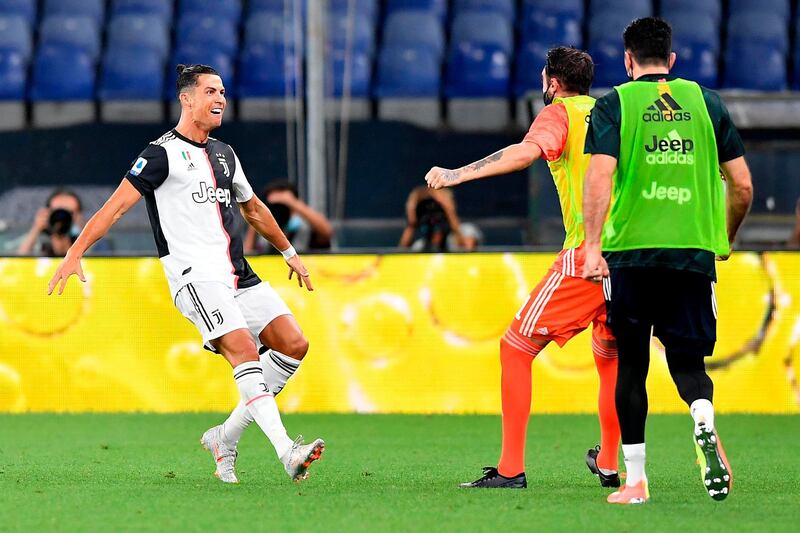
<point>138,166</point>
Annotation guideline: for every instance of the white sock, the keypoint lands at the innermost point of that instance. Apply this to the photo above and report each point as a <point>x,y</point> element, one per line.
<point>634,463</point>
<point>261,404</point>
<point>278,368</point>
<point>702,411</point>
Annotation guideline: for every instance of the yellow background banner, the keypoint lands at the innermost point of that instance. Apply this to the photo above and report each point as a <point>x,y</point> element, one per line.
<point>392,333</point>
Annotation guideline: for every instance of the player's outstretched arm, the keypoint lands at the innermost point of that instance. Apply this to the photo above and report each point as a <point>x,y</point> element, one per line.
<point>510,159</point>
<point>740,194</point>
<point>258,215</point>
<point>596,199</point>
<point>115,207</point>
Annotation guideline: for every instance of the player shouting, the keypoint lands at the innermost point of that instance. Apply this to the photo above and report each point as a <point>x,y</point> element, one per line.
<point>192,183</point>
<point>563,304</point>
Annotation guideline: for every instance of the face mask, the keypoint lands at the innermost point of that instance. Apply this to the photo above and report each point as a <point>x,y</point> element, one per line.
<point>294,224</point>
<point>548,98</point>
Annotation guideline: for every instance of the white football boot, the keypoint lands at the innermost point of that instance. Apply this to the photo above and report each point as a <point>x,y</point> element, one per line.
<point>300,456</point>
<point>224,455</point>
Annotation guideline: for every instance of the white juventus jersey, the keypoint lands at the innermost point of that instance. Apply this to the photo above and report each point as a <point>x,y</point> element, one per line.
<point>192,190</point>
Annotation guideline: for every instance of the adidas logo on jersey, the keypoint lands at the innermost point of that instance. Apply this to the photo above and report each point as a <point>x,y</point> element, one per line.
<point>210,194</point>
<point>666,109</point>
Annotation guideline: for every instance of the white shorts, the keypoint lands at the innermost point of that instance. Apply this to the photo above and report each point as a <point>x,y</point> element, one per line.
<point>215,309</point>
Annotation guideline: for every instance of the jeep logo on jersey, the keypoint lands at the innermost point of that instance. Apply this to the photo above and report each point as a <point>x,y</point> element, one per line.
<point>210,194</point>
<point>666,109</point>
<point>681,195</point>
<point>224,163</point>
<point>670,151</point>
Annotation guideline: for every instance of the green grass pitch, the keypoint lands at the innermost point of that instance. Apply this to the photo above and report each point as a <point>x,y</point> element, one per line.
<point>379,473</point>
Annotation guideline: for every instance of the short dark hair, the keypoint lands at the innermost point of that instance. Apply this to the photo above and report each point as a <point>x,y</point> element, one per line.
<point>573,68</point>
<point>63,191</point>
<point>188,74</point>
<point>280,185</point>
<point>649,40</point>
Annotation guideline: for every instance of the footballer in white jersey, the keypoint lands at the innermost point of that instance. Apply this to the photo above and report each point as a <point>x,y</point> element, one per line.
<point>195,189</point>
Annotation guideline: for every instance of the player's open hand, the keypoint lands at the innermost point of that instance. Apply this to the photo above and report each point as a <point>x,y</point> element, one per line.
<point>595,267</point>
<point>438,178</point>
<point>69,266</point>
<point>297,267</point>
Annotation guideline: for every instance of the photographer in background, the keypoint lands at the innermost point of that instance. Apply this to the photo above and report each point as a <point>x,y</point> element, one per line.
<point>306,228</point>
<point>55,226</point>
<point>432,223</point>
<point>794,240</point>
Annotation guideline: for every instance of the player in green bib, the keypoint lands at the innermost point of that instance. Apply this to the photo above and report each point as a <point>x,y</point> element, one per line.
<point>658,144</point>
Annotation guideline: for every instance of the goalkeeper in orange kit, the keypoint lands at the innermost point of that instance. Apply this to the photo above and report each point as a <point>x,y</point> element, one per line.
<point>563,304</point>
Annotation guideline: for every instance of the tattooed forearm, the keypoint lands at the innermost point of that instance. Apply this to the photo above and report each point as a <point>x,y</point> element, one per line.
<point>485,161</point>
<point>451,175</point>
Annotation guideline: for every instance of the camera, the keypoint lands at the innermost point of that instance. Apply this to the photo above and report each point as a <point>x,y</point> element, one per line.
<point>59,223</point>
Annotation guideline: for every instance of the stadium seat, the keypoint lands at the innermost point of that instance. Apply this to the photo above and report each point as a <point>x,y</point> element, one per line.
<point>573,8</point>
<point>759,28</point>
<point>552,28</point>
<point>360,73</point>
<point>61,74</point>
<point>268,28</point>
<point>223,9</point>
<point>196,28</point>
<point>757,67</point>
<point>796,54</point>
<point>780,8</point>
<point>200,53</point>
<point>15,37</point>
<point>711,8</point>
<point>22,8</point>
<point>275,6</point>
<point>94,9</point>
<point>437,7</point>
<point>132,74</point>
<point>632,9</point>
<point>65,31</point>
<point>13,75</point>
<point>696,28</point>
<point>696,61</point>
<point>408,72</point>
<point>414,29</point>
<point>139,31</point>
<point>266,71</point>
<point>158,8</point>
<point>606,49</point>
<point>506,8</point>
<point>367,8</point>
<point>476,70</point>
<point>480,28</point>
<point>363,38</point>
<point>530,60</point>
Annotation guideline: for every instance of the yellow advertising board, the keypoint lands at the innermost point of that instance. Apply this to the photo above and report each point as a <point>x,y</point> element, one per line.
<point>391,333</point>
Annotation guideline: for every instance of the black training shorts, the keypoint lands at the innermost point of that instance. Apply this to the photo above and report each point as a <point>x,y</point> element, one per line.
<point>679,305</point>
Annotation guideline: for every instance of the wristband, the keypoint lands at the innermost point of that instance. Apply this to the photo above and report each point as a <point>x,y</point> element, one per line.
<point>289,253</point>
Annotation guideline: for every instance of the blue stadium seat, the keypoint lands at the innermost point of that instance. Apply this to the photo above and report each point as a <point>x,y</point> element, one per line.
<point>633,9</point>
<point>266,72</point>
<point>574,8</point>
<point>530,60</point>
<point>159,8</point>
<point>437,7</point>
<point>13,75</point>
<point>759,28</point>
<point>79,33</point>
<point>477,27</point>
<point>507,8</point>
<point>360,73</point>
<point>796,54</point>
<point>363,39</point>
<point>407,72</point>
<point>552,28</point>
<point>230,10</point>
<point>475,71</point>
<point>268,28</point>
<point>202,54</point>
<point>696,28</point>
<point>275,6</point>
<point>139,31</point>
<point>23,8</point>
<point>606,49</point>
<point>15,36</point>
<point>197,28</point>
<point>756,67</point>
<point>94,9</point>
<point>696,61</point>
<point>367,8</point>
<point>132,74</point>
<point>414,28</point>
<point>61,74</point>
<point>712,8</point>
<point>781,8</point>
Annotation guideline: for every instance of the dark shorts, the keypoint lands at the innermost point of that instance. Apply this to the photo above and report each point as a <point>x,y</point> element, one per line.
<point>680,306</point>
